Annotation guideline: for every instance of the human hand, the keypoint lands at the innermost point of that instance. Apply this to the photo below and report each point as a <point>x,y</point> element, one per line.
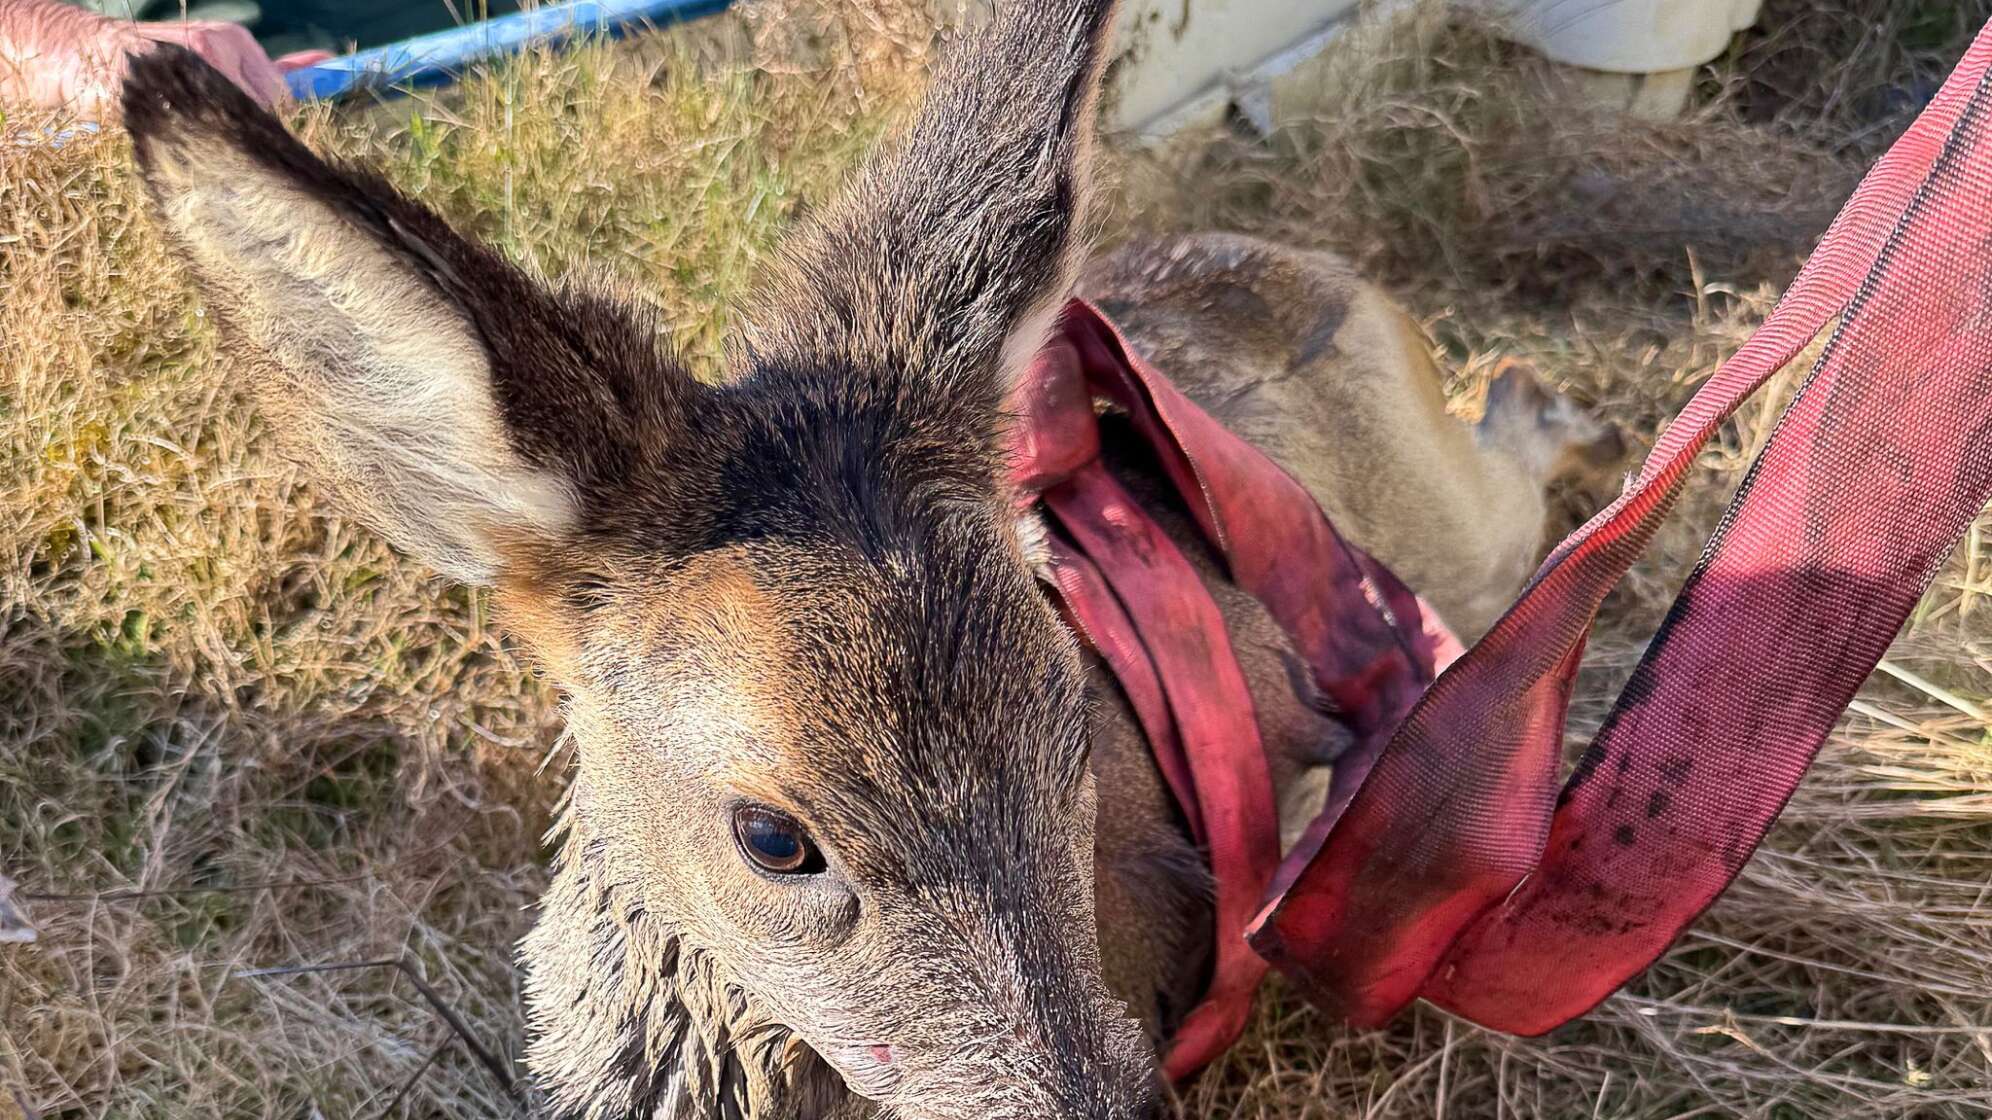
<point>53,55</point>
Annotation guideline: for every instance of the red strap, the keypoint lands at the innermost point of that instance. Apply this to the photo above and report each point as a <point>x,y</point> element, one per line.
<point>1459,872</point>
<point>1127,589</point>
<point>1056,438</point>
<point>1216,728</point>
<point>1095,614</point>
<point>1373,645</point>
<point>1133,596</point>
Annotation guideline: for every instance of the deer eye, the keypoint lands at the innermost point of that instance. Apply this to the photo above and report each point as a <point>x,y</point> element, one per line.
<point>773,842</point>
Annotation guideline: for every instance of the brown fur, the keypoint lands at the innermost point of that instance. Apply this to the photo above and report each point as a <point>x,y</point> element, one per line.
<point>1297,353</point>
<point>804,589</point>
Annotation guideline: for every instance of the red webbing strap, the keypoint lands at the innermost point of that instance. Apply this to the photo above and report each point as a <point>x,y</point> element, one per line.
<point>1057,437</point>
<point>1372,644</point>
<point>1216,724</point>
<point>1128,591</point>
<point>1458,872</point>
<point>1093,612</point>
<point>1137,600</point>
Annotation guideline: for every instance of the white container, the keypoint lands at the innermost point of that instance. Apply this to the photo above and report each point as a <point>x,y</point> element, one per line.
<point>1628,36</point>
<point>1185,61</point>
<point>1174,52</point>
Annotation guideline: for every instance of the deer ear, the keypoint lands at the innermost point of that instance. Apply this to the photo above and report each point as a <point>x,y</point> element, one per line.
<point>947,260</point>
<point>438,392</point>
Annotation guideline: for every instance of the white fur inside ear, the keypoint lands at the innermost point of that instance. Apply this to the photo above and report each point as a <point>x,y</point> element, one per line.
<point>1029,337</point>
<point>1034,538</point>
<point>377,385</point>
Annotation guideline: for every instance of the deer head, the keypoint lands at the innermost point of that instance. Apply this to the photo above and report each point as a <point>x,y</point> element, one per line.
<point>831,819</point>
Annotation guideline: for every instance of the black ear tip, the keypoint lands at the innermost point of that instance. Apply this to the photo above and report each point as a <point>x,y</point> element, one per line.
<point>170,82</point>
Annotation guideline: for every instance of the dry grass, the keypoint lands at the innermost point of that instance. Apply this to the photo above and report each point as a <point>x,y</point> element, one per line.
<point>236,732</point>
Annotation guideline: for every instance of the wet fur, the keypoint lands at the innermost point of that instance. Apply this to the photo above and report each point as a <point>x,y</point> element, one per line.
<point>807,583</point>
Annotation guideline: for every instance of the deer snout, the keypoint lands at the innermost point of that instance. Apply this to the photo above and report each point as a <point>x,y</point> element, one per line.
<point>1048,1044</point>
<point>1104,1070</point>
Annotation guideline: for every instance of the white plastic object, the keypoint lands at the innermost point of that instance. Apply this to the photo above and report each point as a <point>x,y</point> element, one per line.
<point>1627,36</point>
<point>1187,61</point>
<point>1174,51</point>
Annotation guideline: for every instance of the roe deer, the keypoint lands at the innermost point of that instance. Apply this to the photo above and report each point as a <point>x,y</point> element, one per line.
<point>854,828</point>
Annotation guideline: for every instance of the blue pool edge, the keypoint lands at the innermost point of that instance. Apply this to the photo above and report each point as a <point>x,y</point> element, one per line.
<point>438,57</point>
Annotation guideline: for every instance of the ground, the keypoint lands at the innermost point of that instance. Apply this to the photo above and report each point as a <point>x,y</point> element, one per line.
<point>237,733</point>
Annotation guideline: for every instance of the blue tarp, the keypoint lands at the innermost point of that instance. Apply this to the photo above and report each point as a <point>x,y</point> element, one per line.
<point>428,59</point>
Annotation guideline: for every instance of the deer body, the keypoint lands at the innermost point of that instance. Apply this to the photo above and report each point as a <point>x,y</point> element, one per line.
<point>855,828</point>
